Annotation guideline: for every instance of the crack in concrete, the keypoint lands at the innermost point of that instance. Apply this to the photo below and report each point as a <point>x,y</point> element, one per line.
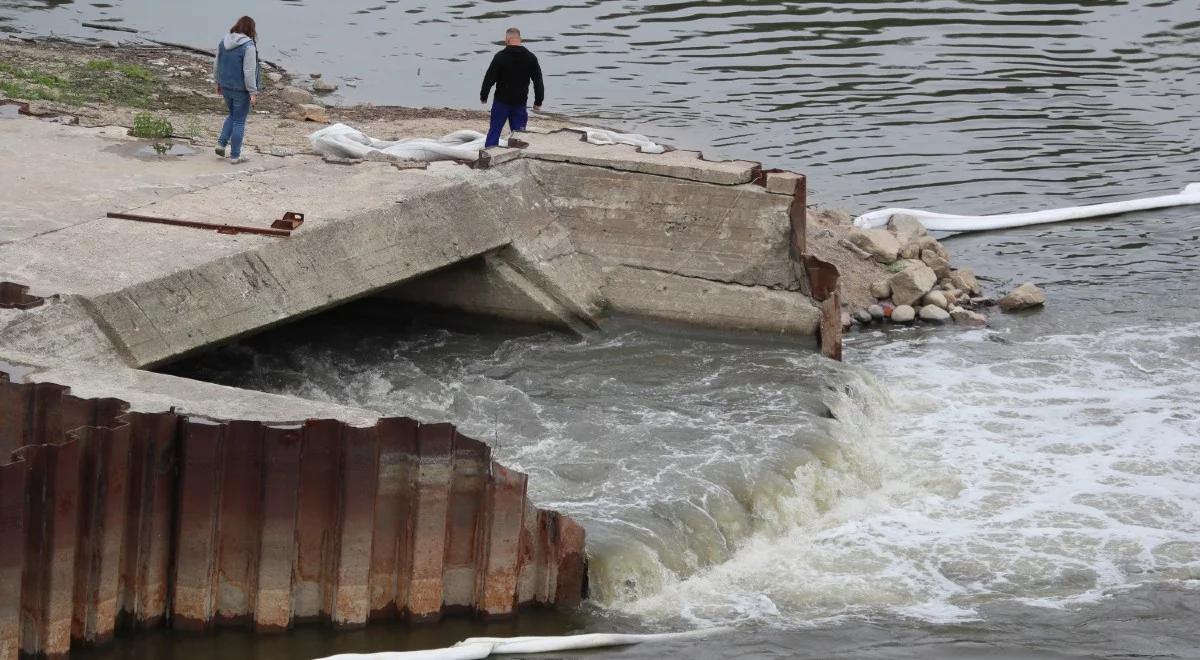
<point>665,272</point>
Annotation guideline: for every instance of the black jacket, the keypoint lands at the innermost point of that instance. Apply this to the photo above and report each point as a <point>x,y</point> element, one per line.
<point>511,71</point>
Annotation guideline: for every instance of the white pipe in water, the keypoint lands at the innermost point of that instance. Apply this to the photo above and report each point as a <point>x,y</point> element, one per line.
<point>961,223</point>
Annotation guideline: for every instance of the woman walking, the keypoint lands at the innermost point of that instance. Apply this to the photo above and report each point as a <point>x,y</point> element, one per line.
<point>237,75</point>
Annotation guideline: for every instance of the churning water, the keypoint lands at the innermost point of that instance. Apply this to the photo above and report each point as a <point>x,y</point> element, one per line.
<point>1030,489</point>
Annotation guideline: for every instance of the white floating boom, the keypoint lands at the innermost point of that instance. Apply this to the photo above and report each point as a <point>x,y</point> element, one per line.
<point>960,223</point>
<point>477,648</point>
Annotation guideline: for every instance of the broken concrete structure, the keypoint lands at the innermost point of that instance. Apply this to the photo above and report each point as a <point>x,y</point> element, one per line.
<point>570,232</point>
<point>154,497</point>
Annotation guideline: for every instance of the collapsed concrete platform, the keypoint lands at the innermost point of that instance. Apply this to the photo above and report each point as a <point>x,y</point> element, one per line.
<point>560,233</point>
<point>568,237</point>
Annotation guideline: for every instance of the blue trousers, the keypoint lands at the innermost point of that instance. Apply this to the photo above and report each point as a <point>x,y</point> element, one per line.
<point>234,130</point>
<point>516,116</point>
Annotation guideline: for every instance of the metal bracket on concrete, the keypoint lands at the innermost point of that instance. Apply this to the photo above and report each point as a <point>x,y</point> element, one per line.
<point>219,228</point>
<point>290,221</point>
<point>16,296</point>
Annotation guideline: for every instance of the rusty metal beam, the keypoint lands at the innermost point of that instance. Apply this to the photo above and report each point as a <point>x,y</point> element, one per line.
<point>219,228</point>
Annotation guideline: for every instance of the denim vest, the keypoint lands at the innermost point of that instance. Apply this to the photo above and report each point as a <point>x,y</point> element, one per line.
<point>229,68</point>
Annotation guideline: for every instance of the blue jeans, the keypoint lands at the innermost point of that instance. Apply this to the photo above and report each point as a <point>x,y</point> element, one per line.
<point>234,130</point>
<point>515,115</point>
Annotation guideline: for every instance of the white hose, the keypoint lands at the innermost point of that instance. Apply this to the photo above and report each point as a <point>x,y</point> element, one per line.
<point>943,222</point>
<point>476,648</point>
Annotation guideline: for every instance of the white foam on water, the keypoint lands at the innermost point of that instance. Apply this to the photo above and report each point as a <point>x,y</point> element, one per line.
<point>1046,472</point>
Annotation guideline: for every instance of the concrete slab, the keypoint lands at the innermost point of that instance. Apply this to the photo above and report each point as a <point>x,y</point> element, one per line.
<point>671,297</point>
<point>153,392</point>
<point>568,147</point>
<point>143,293</point>
<point>782,183</point>
<point>36,197</point>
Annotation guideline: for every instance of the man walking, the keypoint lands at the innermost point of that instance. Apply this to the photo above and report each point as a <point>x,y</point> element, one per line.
<point>511,71</point>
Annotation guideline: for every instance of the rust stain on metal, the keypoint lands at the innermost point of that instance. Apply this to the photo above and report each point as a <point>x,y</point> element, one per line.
<point>147,518</point>
<point>823,282</point>
<point>193,224</point>
<point>817,278</point>
<point>798,219</point>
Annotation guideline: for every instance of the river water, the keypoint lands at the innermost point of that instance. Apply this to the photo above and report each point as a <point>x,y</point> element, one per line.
<point>1027,490</point>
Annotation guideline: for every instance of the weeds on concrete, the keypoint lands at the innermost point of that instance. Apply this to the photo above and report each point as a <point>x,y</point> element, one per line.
<point>151,126</point>
<point>79,83</point>
<point>194,128</point>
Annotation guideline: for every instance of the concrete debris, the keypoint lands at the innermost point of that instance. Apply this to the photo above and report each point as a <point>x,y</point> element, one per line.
<point>879,243</point>
<point>934,314</point>
<point>295,95</point>
<point>903,314</point>
<point>912,283</point>
<point>1025,296</point>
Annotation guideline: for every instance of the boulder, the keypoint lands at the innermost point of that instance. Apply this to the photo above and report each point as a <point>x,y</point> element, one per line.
<point>931,243</point>
<point>937,299</point>
<point>863,317</point>
<point>964,278</point>
<point>846,320</point>
<point>910,250</point>
<point>881,289</point>
<point>322,86</point>
<point>934,314</point>
<point>274,77</point>
<point>903,314</point>
<point>1023,297</point>
<point>910,284</point>
<point>295,95</point>
<point>879,243</point>
<point>939,264</point>
<point>907,228</point>
<point>967,317</point>
<point>876,312</point>
<point>312,112</point>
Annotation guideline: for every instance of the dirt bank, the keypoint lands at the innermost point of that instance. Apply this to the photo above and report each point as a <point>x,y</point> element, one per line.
<point>109,86</point>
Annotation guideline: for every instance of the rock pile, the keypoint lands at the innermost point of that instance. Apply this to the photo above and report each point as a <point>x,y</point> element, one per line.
<point>923,285</point>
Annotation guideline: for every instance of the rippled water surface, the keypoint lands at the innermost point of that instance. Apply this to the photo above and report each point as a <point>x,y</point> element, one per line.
<point>1028,490</point>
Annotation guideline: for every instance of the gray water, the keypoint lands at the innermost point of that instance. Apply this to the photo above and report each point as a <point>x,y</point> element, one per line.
<point>1027,490</point>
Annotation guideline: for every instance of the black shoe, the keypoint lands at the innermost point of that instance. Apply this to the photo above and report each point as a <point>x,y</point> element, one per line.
<point>220,151</point>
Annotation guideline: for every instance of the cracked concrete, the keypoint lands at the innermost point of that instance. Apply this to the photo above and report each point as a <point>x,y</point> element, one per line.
<point>559,236</point>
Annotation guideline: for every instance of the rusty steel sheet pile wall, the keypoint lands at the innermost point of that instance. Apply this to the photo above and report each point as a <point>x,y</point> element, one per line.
<point>116,518</point>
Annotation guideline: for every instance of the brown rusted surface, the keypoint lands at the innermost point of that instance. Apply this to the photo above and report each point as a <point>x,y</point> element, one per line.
<point>798,219</point>
<point>822,277</point>
<point>823,282</point>
<point>113,516</point>
<point>16,296</point>
<point>830,332</point>
<point>817,278</point>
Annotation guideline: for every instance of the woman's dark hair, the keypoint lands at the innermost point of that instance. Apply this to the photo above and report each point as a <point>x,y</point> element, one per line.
<point>245,25</point>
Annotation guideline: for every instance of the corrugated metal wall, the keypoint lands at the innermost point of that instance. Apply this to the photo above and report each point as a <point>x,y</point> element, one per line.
<point>155,519</point>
